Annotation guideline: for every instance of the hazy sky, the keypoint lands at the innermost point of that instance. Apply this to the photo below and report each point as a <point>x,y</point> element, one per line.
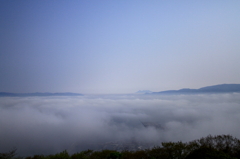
<point>118,46</point>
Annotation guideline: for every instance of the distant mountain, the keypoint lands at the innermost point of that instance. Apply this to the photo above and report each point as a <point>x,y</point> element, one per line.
<point>143,92</point>
<point>5,94</point>
<point>222,88</point>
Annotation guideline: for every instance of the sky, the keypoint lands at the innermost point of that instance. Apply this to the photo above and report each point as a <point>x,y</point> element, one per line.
<point>49,125</point>
<point>117,46</point>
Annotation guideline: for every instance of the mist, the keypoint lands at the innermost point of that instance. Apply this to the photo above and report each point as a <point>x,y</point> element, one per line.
<point>47,125</point>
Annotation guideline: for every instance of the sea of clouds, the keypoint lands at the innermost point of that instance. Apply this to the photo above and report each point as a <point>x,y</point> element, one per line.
<point>47,125</point>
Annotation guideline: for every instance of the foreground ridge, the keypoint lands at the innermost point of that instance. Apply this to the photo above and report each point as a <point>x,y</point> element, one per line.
<point>212,147</point>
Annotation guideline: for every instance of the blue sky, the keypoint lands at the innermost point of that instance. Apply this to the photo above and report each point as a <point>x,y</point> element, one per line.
<point>117,46</point>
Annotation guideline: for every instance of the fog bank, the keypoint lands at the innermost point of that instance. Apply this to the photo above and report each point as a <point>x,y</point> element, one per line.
<point>44,125</point>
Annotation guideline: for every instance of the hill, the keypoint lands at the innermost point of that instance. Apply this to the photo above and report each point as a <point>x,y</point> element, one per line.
<point>143,92</point>
<point>221,88</point>
<point>5,94</point>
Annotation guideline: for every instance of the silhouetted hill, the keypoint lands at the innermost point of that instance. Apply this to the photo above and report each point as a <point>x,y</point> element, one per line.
<point>222,88</point>
<point>143,92</point>
<point>5,94</point>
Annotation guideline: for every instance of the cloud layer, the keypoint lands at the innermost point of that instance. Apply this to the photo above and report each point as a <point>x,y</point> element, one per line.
<point>44,125</point>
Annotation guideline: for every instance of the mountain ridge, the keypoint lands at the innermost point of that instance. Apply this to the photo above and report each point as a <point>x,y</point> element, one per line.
<point>7,94</point>
<point>220,88</point>
<point>143,92</point>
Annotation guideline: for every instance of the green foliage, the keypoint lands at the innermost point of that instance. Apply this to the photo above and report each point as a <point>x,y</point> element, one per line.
<point>62,155</point>
<point>210,147</point>
<point>208,153</point>
<point>114,155</point>
<point>106,154</point>
<point>175,150</point>
<point>141,154</point>
<point>222,143</point>
<point>36,157</point>
<point>8,155</point>
<point>157,152</point>
<point>82,155</point>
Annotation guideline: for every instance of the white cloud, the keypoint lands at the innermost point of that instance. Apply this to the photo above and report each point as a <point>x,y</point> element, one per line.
<point>43,125</point>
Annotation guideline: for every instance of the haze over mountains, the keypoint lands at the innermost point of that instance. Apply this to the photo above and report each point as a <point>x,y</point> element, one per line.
<point>143,92</point>
<point>4,94</point>
<point>50,124</point>
<point>221,88</point>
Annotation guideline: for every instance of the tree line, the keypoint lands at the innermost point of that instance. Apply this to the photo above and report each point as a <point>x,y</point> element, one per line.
<point>210,147</point>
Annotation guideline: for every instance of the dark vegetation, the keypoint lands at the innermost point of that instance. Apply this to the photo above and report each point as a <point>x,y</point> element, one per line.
<point>210,147</point>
